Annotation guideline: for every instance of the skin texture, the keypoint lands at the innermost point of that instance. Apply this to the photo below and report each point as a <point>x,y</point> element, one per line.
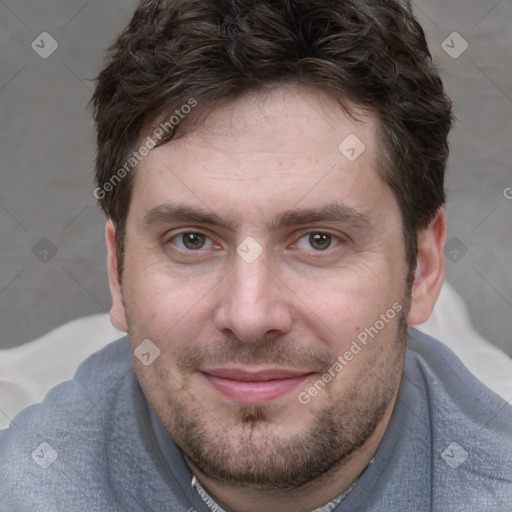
<point>299,305</point>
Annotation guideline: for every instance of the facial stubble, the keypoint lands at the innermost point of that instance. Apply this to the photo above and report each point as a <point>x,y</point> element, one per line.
<point>258,452</point>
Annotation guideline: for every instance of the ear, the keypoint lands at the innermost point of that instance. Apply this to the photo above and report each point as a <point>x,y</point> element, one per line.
<point>117,312</point>
<point>430,269</point>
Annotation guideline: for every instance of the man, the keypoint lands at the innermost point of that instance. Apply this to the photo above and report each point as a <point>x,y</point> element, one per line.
<point>272,174</point>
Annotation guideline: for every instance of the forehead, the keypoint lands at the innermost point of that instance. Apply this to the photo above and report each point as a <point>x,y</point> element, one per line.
<point>287,113</point>
<point>280,147</point>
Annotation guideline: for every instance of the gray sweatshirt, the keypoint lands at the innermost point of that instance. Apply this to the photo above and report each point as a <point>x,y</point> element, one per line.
<point>95,445</point>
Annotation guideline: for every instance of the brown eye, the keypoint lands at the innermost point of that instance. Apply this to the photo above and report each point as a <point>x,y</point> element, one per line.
<point>320,241</point>
<point>193,241</point>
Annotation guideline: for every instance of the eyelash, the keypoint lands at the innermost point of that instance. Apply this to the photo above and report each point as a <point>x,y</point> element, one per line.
<point>337,240</point>
<point>334,240</point>
<point>182,233</point>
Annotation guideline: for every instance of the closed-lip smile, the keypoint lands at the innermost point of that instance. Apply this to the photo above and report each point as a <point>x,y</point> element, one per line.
<point>254,386</point>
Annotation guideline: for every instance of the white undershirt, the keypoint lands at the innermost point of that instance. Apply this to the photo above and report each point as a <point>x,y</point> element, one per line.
<point>215,507</point>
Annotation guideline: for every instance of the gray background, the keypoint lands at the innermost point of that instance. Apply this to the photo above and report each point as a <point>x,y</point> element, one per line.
<point>47,152</point>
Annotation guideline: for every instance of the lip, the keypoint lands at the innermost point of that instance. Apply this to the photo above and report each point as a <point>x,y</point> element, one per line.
<point>254,387</point>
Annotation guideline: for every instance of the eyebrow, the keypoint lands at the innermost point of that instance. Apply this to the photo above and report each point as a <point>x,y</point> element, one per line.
<point>333,212</point>
<point>167,213</point>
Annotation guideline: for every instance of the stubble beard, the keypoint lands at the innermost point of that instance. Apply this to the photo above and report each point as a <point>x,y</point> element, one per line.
<point>254,452</point>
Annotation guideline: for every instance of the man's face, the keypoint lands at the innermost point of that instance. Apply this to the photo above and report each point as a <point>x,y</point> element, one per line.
<point>256,254</point>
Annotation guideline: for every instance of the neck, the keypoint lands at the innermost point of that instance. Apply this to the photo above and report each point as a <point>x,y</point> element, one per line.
<point>307,498</point>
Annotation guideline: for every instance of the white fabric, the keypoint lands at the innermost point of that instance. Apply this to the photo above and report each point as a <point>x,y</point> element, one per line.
<point>450,323</point>
<point>28,372</point>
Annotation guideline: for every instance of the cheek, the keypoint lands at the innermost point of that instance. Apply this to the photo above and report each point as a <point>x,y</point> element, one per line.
<point>351,300</point>
<point>148,281</point>
<point>163,307</point>
<point>372,356</point>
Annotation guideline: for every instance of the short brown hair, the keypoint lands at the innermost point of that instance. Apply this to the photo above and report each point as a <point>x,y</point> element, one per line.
<point>372,53</point>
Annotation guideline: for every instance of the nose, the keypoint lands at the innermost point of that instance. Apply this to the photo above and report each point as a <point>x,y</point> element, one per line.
<point>254,304</point>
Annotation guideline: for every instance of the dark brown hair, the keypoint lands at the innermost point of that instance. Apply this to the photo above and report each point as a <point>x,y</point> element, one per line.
<point>371,53</point>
